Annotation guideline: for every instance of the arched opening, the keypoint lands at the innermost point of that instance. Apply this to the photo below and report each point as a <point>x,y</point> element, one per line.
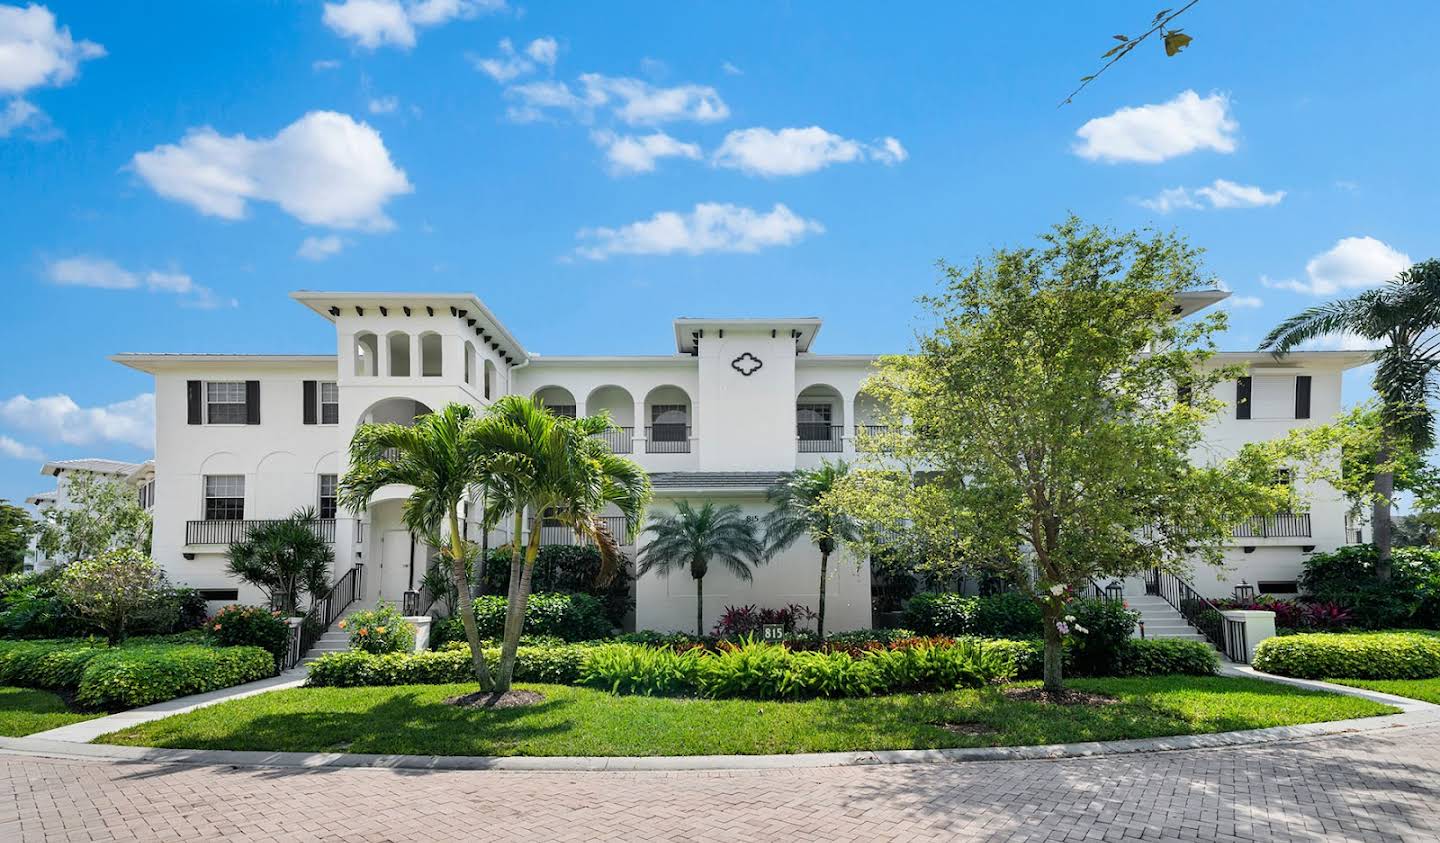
<point>820,419</point>
<point>470,363</point>
<point>397,345</point>
<point>668,421</point>
<point>557,399</point>
<point>401,411</point>
<point>620,405</point>
<point>432,356</point>
<point>492,383</point>
<point>367,355</point>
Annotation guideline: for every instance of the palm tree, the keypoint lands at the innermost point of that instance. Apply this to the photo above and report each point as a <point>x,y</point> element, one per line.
<point>285,559</point>
<point>439,457</point>
<point>539,466</point>
<point>798,498</point>
<point>1405,316</point>
<point>691,538</point>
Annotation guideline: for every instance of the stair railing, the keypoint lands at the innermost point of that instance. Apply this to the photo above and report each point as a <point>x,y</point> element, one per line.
<point>1227,635</point>
<point>323,612</point>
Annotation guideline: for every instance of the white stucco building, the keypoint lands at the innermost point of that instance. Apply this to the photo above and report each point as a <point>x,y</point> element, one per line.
<point>244,438</point>
<point>139,477</point>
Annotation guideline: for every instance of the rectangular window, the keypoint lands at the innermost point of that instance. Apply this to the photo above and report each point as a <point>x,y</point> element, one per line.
<point>1302,396</point>
<point>225,402</point>
<point>224,497</point>
<point>812,422</point>
<point>487,383</point>
<point>329,402</point>
<point>1242,398</point>
<point>566,410</point>
<point>220,594</point>
<point>327,496</point>
<point>1277,587</point>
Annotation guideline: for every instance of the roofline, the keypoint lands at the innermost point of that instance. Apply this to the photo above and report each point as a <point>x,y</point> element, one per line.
<point>809,327</point>
<point>307,297</point>
<point>617,359</point>
<point>54,467</point>
<point>158,362</point>
<point>1345,359</point>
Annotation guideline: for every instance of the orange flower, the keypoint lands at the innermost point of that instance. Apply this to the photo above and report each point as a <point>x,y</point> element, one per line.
<point>363,631</point>
<point>217,627</point>
<point>379,630</point>
<point>342,624</point>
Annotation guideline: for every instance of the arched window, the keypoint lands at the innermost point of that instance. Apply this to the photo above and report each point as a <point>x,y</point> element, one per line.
<point>557,399</point>
<point>367,355</point>
<point>398,345</point>
<point>431,356</point>
<point>492,384</point>
<point>469,363</point>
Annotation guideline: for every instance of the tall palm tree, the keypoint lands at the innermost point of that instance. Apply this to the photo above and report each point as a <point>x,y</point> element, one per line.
<point>439,457</point>
<point>1405,316</point>
<point>285,559</point>
<point>691,538</point>
<point>539,466</point>
<point>797,499</point>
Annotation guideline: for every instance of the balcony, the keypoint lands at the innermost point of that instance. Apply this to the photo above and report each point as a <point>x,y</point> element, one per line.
<point>620,439</point>
<point>820,437</point>
<point>1285,525</point>
<point>229,532</point>
<point>667,438</point>
<point>553,533</point>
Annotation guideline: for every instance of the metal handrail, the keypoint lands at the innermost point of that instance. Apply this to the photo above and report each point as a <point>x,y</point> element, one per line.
<point>1287,525</point>
<point>323,612</point>
<point>620,439</point>
<point>1200,613</point>
<point>673,438</point>
<point>819,437</point>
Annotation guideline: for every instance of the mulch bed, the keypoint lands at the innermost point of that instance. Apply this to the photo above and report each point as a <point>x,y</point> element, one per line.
<point>490,700</point>
<point>1069,696</point>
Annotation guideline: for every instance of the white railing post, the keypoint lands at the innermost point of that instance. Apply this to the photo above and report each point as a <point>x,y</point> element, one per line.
<point>1253,627</point>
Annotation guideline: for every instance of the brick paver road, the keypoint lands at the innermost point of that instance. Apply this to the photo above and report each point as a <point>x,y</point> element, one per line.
<point>1382,786</point>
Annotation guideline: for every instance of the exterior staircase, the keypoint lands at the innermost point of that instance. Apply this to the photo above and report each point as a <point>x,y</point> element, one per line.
<point>1158,618</point>
<point>332,640</point>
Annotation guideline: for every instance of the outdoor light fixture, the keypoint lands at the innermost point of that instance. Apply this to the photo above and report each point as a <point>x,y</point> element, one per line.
<point>1115,591</point>
<point>1244,591</point>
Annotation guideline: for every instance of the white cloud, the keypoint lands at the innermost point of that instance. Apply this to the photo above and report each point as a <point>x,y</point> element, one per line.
<point>1352,263</point>
<point>17,114</point>
<point>1219,194</point>
<point>35,52</point>
<point>793,152</point>
<point>637,154</point>
<point>377,23</point>
<point>731,70</point>
<point>1343,341</point>
<point>102,274</point>
<point>384,105</point>
<point>631,101</point>
<point>512,64</point>
<point>320,248</point>
<point>1245,302</point>
<point>18,450</point>
<point>710,227</point>
<point>323,169</point>
<point>58,417</point>
<point>1149,134</point>
<point>320,65</point>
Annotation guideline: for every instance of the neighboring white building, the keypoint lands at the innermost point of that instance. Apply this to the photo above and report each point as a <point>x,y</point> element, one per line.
<point>245,438</point>
<point>139,476</point>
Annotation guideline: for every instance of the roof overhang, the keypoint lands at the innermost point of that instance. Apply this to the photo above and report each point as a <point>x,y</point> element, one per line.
<point>1196,300</point>
<point>1296,359</point>
<point>688,329</point>
<point>464,306</point>
<point>156,363</point>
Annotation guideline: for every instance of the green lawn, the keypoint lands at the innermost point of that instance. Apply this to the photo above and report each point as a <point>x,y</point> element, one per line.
<point>24,711</point>
<point>1416,689</point>
<point>412,719</point>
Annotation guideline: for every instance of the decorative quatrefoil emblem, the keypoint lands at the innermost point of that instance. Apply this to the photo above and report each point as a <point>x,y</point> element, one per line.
<point>746,364</point>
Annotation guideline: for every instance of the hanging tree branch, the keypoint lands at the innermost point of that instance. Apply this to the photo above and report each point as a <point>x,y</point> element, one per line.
<point>1175,41</point>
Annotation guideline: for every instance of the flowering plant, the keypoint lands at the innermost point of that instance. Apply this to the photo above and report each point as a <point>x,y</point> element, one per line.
<point>380,630</point>
<point>236,626</point>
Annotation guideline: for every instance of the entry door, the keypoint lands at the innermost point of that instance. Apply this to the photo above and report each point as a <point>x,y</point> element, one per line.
<point>395,566</point>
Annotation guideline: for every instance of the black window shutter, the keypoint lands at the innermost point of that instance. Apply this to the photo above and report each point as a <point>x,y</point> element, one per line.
<point>252,402</point>
<point>310,391</point>
<point>1302,397</point>
<point>194,405</point>
<point>1242,398</point>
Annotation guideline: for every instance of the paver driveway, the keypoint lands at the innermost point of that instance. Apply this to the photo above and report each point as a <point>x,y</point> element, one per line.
<point>1379,786</point>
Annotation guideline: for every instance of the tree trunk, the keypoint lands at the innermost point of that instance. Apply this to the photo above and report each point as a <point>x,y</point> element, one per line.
<point>1380,510</point>
<point>484,542</point>
<point>515,619</point>
<point>467,606</point>
<point>1054,650</point>
<point>820,618</point>
<point>699,607</point>
<point>512,594</point>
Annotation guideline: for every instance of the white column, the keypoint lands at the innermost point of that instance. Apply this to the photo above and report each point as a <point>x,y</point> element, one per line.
<point>1258,626</point>
<point>848,433</point>
<point>638,437</point>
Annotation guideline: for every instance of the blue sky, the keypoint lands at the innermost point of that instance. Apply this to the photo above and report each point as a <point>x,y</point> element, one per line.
<point>167,177</point>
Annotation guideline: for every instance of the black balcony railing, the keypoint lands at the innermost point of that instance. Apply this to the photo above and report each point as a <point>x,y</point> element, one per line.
<point>620,439</point>
<point>229,532</point>
<point>875,429</point>
<point>667,438</point>
<point>553,533</point>
<point>820,437</point>
<point>1286,525</point>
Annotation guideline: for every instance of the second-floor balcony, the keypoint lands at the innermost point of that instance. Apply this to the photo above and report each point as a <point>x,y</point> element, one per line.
<point>667,438</point>
<point>1284,525</point>
<point>820,437</point>
<point>552,532</point>
<point>228,531</point>
<point>620,439</point>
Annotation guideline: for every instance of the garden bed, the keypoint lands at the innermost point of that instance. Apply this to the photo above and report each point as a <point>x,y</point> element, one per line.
<point>416,719</point>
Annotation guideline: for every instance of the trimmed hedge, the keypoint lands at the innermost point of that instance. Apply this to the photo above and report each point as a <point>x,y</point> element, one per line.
<point>1375,655</point>
<point>558,665</point>
<point>1135,657</point>
<point>136,674</point>
<point>572,617</point>
<point>1001,616</point>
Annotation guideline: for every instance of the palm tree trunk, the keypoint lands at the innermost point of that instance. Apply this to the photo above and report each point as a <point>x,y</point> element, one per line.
<point>699,607</point>
<point>467,605</point>
<point>512,593</point>
<point>515,617</point>
<point>820,618</point>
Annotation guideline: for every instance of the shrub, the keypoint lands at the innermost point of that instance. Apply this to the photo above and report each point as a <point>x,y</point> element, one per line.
<point>1383,655</point>
<point>653,638</point>
<point>51,665</point>
<point>866,638</point>
<point>1010,615</point>
<point>380,630</point>
<point>127,677</point>
<point>1411,598</point>
<point>249,626</point>
<point>1107,625</point>
<point>1295,616</point>
<point>32,606</point>
<point>113,589</point>
<point>930,613</point>
<point>739,621</point>
<point>1164,656</point>
<point>566,569</point>
<point>556,664</point>
<point>750,669</point>
<point>574,617</point>
<point>636,669</point>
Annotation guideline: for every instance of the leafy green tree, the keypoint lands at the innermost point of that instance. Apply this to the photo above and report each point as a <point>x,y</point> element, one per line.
<point>286,559</point>
<point>16,529</point>
<point>537,466</point>
<point>113,589</point>
<point>440,457</point>
<point>798,500</point>
<point>690,539</point>
<point>1404,315</point>
<point>103,513</point>
<point>1044,430</point>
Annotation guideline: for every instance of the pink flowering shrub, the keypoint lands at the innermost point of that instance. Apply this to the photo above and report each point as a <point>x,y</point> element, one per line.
<point>240,626</point>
